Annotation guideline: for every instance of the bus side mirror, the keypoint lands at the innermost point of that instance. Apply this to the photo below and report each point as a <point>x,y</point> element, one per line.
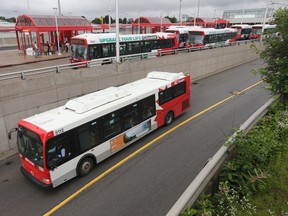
<point>12,131</point>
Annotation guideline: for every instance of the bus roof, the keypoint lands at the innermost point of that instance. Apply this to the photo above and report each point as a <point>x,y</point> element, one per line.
<point>181,29</point>
<point>211,31</point>
<point>242,26</point>
<point>93,38</point>
<point>266,26</point>
<point>91,106</point>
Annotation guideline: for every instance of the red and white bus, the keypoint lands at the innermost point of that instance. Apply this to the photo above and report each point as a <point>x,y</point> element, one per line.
<point>68,141</point>
<point>89,46</point>
<point>182,34</point>
<point>211,38</point>
<point>243,31</point>
<point>258,29</point>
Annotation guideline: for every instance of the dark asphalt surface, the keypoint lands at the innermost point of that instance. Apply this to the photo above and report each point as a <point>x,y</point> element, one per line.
<point>152,181</point>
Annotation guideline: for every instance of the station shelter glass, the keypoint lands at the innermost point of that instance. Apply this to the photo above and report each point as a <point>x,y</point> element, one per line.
<point>208,23</point>
<point>42,29</point>
<point>145,25</point>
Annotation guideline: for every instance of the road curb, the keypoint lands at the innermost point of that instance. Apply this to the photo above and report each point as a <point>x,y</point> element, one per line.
<point>190,195</point>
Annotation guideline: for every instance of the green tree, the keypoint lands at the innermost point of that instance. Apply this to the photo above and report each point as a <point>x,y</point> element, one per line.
<point>130,20</point>
<point>275,55</point>
<point>11,19</point>
<point>96,21</point>
<point>172,19</point>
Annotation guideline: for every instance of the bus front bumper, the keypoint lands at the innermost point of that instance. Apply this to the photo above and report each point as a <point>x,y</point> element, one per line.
<point>34,180</point>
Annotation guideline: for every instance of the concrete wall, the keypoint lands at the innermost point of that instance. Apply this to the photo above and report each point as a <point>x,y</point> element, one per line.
<point>8,39</point>
<point>22,98</point>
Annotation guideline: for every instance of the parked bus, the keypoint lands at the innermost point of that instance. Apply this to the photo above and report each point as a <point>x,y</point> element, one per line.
<point>243,31</point>
<point>257,30</point>
<point>182,34</point>
<point>210,37</point>
<point>68,141</point>
<point>89,46</point>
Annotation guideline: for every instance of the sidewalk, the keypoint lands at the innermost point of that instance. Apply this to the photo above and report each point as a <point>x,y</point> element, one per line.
<point>10,58</point>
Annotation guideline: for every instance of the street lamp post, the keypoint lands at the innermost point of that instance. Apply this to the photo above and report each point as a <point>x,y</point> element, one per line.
<point>117,32</point>
<point>197,12</point>
<point>180,17</point>
<point>264,20</point>
<point>28,6</point>
<point>243,12</point>
<point>109,17</point>
<point>139,23</point>
<point>59,8</point>
<point>58,46</point>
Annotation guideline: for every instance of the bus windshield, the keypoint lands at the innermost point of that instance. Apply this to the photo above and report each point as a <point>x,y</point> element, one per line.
<point>79,51</point>
<point>196,39</point>
<point>30,146</point>
<point>245,31</point>
<point>256,30</point>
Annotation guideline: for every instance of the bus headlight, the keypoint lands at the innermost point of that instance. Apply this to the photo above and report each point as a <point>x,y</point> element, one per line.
<point>47,181</point>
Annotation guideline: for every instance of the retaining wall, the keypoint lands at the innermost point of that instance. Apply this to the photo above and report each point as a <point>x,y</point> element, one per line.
<point>22,98</point>
<point>7,40</point>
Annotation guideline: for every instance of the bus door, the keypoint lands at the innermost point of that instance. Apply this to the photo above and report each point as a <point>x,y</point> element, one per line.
<point>60,151</point>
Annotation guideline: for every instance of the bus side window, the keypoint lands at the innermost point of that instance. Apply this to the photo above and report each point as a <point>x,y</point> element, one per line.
<point>130,116</point>
<point>59,150</point>
<point>88,136</point>
<point>93,52</point>
<point>111,125</point>
<point>149,109</point>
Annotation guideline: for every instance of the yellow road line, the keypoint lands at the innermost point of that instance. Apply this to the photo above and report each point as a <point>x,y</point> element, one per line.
<point>72,196</point>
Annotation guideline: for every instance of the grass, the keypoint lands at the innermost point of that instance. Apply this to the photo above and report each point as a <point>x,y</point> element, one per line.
<point>274,200</point>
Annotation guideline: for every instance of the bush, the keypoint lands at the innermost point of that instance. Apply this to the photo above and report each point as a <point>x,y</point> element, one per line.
<point>251,169</point>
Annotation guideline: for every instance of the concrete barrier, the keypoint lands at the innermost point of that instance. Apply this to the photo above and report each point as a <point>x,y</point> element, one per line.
<point>8,40</point>
<point>22,98</point>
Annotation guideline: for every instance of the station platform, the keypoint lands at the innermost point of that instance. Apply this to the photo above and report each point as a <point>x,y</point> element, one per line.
<point>10,58</point>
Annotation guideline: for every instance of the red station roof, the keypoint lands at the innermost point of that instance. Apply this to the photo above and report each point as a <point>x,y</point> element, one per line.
<point>48,23</point>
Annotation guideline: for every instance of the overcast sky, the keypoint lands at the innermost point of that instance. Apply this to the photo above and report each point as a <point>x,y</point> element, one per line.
<point>129,8</point>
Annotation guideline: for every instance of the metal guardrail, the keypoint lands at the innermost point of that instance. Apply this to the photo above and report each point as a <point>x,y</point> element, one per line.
<point>191,194</point>
<point>97,62</point>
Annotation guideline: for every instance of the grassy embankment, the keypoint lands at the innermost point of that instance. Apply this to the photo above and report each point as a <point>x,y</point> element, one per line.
<point>255,180</point>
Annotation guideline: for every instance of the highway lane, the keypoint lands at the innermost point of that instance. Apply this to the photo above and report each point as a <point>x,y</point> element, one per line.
<point>152,181</point>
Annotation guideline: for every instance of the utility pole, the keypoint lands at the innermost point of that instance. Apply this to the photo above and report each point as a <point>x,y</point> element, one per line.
<point>197,13</point>
<point>59,8</point>
<point>117,32</point>
<point>28,6</point>
<point>180,20</point>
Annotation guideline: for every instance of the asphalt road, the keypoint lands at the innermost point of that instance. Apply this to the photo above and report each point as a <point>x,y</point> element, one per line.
<point>152,181</point>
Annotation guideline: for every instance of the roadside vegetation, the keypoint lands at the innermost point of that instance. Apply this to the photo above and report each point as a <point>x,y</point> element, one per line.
<point>254,181</point>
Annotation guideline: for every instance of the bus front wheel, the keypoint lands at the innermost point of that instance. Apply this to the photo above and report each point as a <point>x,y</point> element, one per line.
<point>169,118</point>
<point>85,166</point>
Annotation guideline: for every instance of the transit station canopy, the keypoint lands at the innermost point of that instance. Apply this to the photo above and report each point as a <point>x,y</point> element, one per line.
<point>48,23</point>
<point>153,20</point>
<point>143,25</point>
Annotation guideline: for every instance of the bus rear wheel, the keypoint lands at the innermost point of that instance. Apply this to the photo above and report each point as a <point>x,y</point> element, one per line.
<point>85,166</point>
<point>169,118</point>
